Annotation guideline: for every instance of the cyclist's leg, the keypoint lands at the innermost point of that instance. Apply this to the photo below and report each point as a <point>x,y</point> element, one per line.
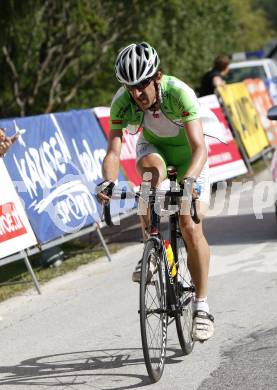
<point>151,163</point>
<point>198,249</point>
<point>198,258</point>
<point>152,168</point>
<point>198,254</point>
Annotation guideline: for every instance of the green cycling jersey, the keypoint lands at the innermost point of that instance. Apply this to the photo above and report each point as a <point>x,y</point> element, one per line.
<point>165,127</point>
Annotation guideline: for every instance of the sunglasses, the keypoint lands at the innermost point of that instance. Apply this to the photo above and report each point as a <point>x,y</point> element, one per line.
<point>139,86</point>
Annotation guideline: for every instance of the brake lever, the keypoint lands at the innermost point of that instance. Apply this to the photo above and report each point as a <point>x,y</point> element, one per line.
<point>107,214</point>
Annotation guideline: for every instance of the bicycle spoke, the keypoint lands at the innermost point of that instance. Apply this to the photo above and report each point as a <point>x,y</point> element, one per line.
<point>185,291</point>
<point>153,300</point>
<point>153,332</point>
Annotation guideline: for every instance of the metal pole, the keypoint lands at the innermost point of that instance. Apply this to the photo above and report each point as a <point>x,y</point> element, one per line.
<point>266,158</point>
<point>243,151</point>
<point>106,249</point>
<point>28,265</point>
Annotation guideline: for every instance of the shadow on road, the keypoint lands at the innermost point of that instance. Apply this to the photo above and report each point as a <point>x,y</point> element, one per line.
<point>75,369</point>
<point>221,230</point>
<point>240,229</point>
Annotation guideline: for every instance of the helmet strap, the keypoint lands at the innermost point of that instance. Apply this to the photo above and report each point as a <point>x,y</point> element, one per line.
<point>156,106</point>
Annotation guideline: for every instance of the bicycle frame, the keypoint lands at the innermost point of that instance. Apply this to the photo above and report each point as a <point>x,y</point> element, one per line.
<point>162,295</point>
<point>156,235</point>
<point>154,230</point>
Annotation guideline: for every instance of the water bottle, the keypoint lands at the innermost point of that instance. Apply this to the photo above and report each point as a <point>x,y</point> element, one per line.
<point>170,257</point>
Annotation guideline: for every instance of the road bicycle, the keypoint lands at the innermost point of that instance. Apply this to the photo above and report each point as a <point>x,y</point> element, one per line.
<point>166,295</point>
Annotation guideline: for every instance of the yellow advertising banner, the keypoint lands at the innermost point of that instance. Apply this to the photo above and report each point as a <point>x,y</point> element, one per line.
<point>244,118</point>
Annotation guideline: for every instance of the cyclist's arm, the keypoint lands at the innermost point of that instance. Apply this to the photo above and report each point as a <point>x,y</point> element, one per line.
<point>188,107</point>
<point>110,167</point>
<point>194,132</point>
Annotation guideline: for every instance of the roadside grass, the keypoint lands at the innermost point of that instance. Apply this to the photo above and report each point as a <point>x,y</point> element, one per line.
<point>258,166</point>
<point>15,279</point>
<point>263,163</point>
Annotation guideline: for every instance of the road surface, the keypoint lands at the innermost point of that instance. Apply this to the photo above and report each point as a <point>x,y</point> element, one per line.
<point>83,331</point>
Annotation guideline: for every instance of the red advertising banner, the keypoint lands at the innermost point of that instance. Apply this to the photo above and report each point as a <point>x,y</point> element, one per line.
<point>128,151</point>
<point>219,152</point>
<point>11,225</point>
<point>225,160</point>
<point>16,233</point>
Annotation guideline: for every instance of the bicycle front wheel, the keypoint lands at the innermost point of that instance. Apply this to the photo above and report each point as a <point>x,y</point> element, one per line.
<point>184,294</point>
<point>153,315</point>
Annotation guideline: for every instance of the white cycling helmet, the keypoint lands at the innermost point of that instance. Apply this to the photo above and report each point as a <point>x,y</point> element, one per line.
<point>136,63</point>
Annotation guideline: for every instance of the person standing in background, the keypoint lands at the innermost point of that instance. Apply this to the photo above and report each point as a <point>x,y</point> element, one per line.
<point>215,77</point>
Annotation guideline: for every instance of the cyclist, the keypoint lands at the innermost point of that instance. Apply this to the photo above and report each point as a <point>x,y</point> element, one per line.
<point>167,110</point>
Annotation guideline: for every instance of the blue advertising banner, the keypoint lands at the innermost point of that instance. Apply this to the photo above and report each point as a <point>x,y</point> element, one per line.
<point>55,166</point>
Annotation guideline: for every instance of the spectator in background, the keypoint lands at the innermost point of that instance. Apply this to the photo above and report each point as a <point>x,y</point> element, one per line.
<point>6,142</point>
<point>215,77</point>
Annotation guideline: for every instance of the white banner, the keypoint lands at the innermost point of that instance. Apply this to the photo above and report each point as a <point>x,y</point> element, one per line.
<point>225,160</point>
<point>16,233</point>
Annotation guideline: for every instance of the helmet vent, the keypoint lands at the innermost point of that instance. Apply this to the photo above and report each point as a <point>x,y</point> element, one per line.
<point>135,63</point>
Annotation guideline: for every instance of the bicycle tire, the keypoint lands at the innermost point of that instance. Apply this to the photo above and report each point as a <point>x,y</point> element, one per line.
<point>154,310</point>
<point>184,294</point>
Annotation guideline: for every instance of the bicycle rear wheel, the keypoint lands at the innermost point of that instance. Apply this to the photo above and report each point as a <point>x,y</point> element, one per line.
<point>153,316</point>
<point>184,294</point>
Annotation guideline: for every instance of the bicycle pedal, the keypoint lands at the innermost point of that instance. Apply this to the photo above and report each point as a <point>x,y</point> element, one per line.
<point>183,289</point>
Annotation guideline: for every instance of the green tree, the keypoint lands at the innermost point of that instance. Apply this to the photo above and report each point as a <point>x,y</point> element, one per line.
<point>57,55</point>
<point>270,9</point>
<point>54,49</point>
<point>253,28</point>
<point>191,34</point>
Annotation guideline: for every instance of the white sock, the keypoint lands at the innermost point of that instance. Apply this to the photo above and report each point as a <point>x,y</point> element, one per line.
<point>201,304</point>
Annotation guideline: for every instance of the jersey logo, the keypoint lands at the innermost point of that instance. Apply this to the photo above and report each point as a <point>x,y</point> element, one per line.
<point>185,113</point>
<point>156,115</point>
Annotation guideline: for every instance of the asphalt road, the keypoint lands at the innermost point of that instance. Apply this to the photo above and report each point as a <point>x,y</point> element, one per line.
<point>83,332</point>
